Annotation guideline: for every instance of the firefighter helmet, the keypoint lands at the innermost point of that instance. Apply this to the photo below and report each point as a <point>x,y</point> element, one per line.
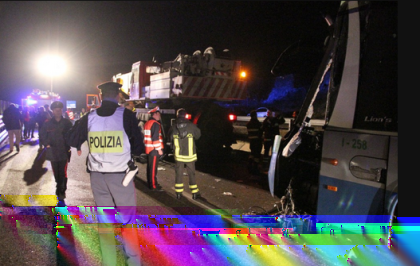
<point>181,112</point>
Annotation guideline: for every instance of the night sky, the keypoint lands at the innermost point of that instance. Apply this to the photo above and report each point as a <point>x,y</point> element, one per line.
<point>101,39</point>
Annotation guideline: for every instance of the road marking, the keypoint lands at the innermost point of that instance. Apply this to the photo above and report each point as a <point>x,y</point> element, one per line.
<point>197,202</point>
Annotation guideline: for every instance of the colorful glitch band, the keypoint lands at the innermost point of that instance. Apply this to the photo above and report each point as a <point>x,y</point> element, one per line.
<point>210,239</point>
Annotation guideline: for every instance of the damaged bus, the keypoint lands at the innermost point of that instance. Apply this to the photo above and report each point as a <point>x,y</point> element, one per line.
<point>350,166</point>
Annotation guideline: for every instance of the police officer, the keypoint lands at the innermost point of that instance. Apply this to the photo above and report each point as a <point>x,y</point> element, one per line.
<point>113,136</point>
<point>255,141</point>
<point>51,136</point>
<point>153,142</point>
<point>182,136</point>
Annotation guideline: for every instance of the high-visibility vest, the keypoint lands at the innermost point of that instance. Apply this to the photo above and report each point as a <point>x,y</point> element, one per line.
<point>109,146</point>
<point>148,142</point>
<point>70,114</point>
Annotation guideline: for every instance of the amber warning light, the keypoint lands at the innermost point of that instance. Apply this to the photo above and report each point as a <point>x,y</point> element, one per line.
<point>332,188</point>
<point>232,117</point>
<point>331,161</point>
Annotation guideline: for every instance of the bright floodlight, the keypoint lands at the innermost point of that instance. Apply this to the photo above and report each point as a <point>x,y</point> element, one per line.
<point>52,66</point>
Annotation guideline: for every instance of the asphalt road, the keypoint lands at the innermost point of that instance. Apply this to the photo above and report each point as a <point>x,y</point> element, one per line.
<point>28,224</point>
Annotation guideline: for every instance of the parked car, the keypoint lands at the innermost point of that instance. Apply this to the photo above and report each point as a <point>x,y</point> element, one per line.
<point>261,112</point>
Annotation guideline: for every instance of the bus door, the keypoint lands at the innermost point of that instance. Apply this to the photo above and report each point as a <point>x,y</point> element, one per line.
<point>353,173</point>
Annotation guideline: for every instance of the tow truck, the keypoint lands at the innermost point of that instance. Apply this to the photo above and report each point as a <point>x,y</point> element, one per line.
<point>200,83</point>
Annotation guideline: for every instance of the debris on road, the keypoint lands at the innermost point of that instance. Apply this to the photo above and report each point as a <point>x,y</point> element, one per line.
<point>217,179</point>
<point>227,193</point>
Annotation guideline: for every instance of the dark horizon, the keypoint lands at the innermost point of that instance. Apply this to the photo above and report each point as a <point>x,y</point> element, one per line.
<point>101,39</point>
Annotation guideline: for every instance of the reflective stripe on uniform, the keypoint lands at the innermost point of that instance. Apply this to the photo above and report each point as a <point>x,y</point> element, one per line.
<point>194,188</point>
<point>148,142</point>
<point>185,158</point>
<point>179,187</point>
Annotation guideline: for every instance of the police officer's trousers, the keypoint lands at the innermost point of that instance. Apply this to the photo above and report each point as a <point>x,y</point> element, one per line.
<point>108,191</point>
<point>152,166</point>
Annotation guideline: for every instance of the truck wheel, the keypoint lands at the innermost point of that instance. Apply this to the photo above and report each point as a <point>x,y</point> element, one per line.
<point>211,142</point>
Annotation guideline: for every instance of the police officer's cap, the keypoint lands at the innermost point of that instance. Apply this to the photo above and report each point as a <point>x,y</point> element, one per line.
<point>109,86</point>
<point>154,110</point>
<point>253,113</point>
<point>57,104</point>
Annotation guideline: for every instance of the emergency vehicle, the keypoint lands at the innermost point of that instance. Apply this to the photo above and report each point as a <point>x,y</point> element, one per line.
<point>38,98</point>
<point>199,83</point>
<point>350,167</point>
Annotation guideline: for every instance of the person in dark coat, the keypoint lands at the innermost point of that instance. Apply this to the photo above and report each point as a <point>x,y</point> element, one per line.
<point>271,128</point>
<point>12,119</point>
<point>58,152</point>
<point>21,120</point>
<point>182,137</point>
<point>25,114</point>
<point>41,118</point>
<point>48,110</point>
<point>255,142</point>
<point>32,121</point>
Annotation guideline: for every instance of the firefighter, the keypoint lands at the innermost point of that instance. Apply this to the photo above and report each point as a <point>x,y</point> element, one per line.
<point>82,112</point>
<point>182,136</point>
<point>255,142</point>
<point>153,142</point>
<point>130,106</point>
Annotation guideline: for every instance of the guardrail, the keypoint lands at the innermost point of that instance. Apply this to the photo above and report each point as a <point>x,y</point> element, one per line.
<point>3,131</point>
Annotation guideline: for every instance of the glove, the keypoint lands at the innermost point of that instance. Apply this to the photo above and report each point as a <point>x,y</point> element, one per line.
<point>131,172</point>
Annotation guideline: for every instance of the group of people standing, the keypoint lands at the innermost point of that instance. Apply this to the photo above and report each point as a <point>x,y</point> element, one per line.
<point>21,122</point>
<point>114,138</point>
<point>262,135</point>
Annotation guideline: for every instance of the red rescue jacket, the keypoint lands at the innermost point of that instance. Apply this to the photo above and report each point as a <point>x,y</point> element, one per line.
<point>153,139</point>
